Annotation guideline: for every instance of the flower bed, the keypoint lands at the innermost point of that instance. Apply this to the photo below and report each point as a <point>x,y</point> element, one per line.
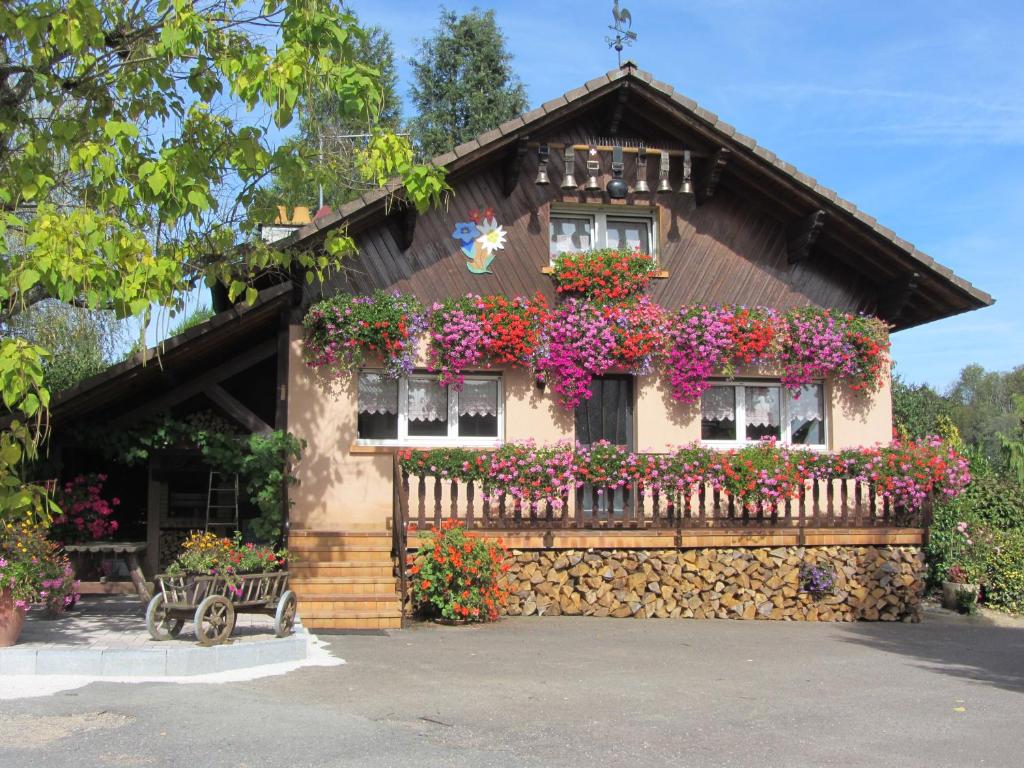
<point>33,569</point>
<point>341,330</point>
<point>760,477</point>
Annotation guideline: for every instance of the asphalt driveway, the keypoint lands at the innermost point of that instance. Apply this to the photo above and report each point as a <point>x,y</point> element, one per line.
<point>572,692</point>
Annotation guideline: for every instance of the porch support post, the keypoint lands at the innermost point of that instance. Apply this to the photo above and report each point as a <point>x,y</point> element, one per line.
<point>153,510</point>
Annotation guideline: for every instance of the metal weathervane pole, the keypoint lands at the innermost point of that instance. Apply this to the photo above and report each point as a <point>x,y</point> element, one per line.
<point>623,29</point>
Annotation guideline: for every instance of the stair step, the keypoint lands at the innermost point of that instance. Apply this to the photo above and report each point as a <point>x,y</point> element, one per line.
<point>337,605</point>
<point>370,622</point>
<point>308,532</point>
<point>307,613</point>
<point>303,569</point>
<point>315,585</point>
<point>354,540</point>
<point>340,554</point>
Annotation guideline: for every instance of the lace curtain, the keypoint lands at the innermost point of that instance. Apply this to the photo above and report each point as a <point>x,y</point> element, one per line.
<point>808,406</point>
<point>762,406</point>
<point>377,394</point>
<point>718,404</point>
<point>428,401</point>
<point>479,398</point>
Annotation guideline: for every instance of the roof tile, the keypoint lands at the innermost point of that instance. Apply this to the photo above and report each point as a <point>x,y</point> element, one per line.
<point>597,82</point>
<point>551,106</point>
<point>464,149</point>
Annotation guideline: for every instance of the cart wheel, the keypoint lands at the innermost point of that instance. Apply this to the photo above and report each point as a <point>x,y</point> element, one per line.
<point>158,620</point>
<point>284,619</point>
<point>215,618</point>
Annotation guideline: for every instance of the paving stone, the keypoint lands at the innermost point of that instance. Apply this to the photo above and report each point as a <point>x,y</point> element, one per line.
<point>74,661</point>
<point>144,662</point>
<point>17,661</point>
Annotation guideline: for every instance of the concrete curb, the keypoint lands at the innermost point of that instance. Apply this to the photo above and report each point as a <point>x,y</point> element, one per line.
<point>170,659</point>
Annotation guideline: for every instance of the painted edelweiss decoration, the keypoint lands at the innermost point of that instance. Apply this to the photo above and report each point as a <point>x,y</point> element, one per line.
<point>480,237</point>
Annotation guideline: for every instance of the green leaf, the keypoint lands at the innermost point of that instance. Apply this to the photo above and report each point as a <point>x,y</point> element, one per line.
<point>198,198</point>
<point>157,181</point>
<point>27,279</point>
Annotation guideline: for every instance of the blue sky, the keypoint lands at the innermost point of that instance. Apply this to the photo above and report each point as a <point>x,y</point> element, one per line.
<point>912,110</point>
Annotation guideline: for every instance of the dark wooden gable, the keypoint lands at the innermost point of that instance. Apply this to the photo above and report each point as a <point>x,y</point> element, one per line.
<point>730,248</point>
<point>755,231</point>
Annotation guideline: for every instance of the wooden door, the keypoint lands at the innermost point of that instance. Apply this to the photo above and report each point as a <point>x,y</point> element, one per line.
<point>607,415</point>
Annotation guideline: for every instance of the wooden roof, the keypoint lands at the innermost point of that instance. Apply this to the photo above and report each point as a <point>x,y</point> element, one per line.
<point>923,289</point>
<point>147,375</point>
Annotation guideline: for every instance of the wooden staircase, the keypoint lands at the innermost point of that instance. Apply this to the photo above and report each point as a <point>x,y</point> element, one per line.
<point>344,579</point>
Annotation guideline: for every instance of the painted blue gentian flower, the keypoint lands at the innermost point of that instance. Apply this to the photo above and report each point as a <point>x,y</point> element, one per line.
<point>465,232</point>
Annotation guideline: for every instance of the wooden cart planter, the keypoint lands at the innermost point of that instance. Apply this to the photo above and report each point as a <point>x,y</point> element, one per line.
<point>212,603</point>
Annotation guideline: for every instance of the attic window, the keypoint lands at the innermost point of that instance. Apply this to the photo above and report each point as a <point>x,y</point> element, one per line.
<point>590,229</point>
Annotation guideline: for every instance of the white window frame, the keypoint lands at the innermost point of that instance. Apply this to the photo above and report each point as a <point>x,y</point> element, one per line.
<point>598,217</point>
<point>452,439</point>
<point>785,427</point>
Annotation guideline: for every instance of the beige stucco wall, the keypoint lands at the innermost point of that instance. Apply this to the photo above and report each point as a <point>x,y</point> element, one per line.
<point>345,487</point>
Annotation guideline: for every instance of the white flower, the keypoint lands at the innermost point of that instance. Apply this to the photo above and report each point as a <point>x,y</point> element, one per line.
<point>493,237</point>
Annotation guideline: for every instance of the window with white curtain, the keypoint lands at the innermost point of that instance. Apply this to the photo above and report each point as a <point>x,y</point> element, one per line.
<point>583,229</point>
<point>416,410</point>
<point>750,411</point>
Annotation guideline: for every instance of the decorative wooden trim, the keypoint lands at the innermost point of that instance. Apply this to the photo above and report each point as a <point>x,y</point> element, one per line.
<point>802,234</point>
<point>696,539</point>
<point>513,167</point>
<point>661,274</point>
<point>706,183</point>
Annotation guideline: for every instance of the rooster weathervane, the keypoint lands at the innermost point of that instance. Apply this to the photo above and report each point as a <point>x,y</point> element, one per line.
<point>623,29</point>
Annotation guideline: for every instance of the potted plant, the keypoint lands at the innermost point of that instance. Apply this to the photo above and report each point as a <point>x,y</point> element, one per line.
<point>206,554</point>
<point>963,579</point>
<point>457,579</point>
<point>31,573</point>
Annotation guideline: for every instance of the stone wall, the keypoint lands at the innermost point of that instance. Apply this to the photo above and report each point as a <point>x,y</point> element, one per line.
<point>874,583</point>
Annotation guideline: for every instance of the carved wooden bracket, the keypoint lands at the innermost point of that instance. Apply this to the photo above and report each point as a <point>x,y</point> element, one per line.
<point>707,181</point>
<point>895,299</point>
<point>514,165</point>
<point>802,234</point>
<point>405,225</point>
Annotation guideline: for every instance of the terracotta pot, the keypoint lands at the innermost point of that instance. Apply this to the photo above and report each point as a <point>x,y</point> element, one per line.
<point>949,590</point>
<point>11,620</point>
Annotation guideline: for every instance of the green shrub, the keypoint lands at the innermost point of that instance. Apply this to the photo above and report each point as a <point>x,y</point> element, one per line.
<point>1004,583</point>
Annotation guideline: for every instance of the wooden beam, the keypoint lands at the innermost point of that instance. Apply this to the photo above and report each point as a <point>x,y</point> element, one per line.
<point>707,181</point>
<point>237,410</point>
<point>514,166</point>
<point>895,298</point>
<point>405,225</point>
<point>198,384</point>
<point>281,392</point>
<point>620,106</point>
<point>802,234</point>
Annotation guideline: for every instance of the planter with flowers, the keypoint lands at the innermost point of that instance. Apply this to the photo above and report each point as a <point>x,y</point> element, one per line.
<point>603,275</point>
<point>213,579</point>
<point>456,578</point>
<point>482,331</point>
<point>342,330</point>
<point>33,573</point>
<point>962,587</point>
<point>85,514</point>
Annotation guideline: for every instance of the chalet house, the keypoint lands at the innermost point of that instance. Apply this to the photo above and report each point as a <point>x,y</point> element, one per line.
<point>727,222</point>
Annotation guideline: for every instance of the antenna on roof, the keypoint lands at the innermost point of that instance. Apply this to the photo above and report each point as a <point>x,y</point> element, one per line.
<point>623,29</point>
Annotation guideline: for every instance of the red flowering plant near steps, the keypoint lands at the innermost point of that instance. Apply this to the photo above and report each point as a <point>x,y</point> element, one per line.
<point>85,514</point>
<point>603,275</point>
<point>483,331</point>
<point>457,577</point>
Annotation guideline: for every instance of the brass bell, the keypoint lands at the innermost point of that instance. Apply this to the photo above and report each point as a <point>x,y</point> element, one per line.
<point>593,168</point>
<point>568,179</point>
<point>542,165</point>
<point>687,186</point>
<point>664,185</point>
<point>641,185</point>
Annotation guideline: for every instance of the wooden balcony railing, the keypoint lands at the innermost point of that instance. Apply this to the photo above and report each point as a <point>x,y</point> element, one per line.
<point>838,503</point>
